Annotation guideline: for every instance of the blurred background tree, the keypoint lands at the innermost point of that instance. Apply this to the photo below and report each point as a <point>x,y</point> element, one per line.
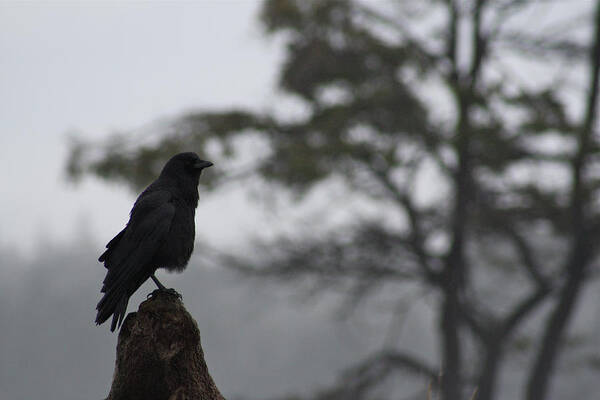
<point>469,128</point>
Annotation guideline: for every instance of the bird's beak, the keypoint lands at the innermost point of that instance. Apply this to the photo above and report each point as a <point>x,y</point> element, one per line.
<point>202,164</point>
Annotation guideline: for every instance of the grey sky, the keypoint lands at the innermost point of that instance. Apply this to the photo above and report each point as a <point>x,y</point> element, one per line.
<point>98,67</point>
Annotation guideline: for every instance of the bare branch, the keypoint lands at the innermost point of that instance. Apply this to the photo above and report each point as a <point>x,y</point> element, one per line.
<point>543,46</point>
<point>522,309</point>
<point>416,234</point>
<point>411,39</point>
<point>451,43</point>
<point>526,254</point>
<point>480,42</point>
<point>357,380</point>
<point>367,254</point>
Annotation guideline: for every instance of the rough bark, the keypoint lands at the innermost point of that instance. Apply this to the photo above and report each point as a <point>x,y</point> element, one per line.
<point>159,355</point>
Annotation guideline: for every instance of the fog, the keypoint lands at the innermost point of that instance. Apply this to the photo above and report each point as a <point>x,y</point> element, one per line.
<point>258,342</point>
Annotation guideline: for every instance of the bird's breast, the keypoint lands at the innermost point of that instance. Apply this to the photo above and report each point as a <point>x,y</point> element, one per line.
<point>177,249</point>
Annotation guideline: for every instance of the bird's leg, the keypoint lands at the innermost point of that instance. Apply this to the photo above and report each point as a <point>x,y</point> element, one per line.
<point>160,285</point>
<point>162,288</point>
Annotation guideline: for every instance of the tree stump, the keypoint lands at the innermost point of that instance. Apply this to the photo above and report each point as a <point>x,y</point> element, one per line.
<point>159,355</point>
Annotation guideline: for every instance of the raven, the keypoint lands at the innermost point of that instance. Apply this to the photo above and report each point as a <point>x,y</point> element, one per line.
<point>159,234</point>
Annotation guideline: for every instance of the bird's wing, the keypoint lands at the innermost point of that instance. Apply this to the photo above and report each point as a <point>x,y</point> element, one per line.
<point>149,225</point>
<point>110,245</point>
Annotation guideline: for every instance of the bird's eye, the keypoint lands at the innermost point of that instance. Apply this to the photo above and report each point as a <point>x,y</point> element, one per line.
<point>190,164</point>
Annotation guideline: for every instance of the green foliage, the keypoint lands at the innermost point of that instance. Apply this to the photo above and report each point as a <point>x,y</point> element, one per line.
<point>545,111</point>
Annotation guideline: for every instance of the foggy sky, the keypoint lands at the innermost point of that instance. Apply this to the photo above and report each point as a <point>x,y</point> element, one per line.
<point>259,341</point>
<point>256,343</point>
<point>97,67</point>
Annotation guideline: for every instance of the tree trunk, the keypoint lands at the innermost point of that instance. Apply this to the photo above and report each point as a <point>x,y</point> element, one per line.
<point>159,355</point>
<point>538,384</point>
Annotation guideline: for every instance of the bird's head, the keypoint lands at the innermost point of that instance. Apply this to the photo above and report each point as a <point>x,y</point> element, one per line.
<point>185,165</point>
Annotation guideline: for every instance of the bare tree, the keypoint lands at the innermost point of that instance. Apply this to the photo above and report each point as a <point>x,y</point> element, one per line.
<point>463,91</point>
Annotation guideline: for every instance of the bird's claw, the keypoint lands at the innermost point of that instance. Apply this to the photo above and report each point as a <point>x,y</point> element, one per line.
<point>169,291</point>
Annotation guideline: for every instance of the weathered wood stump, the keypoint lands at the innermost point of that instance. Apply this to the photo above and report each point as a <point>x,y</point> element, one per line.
<point>159,355</point>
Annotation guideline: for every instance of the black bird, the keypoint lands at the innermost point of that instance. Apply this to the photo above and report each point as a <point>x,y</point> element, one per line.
<point>159,234</point>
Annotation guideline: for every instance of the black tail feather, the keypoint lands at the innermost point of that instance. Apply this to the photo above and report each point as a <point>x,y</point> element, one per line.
<point>117,289</point>
<point>112,303</point>
<point>119,313</point>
